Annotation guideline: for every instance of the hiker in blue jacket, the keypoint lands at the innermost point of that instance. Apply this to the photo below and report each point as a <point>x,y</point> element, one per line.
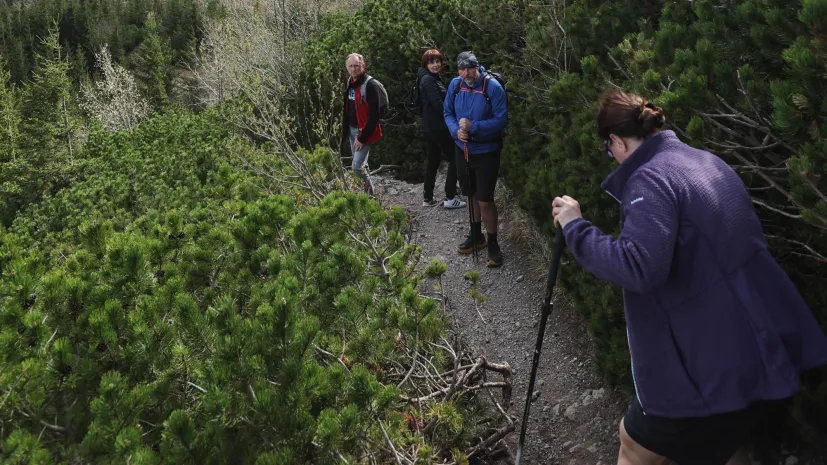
<point>717,331</point>
<point>476,113</point>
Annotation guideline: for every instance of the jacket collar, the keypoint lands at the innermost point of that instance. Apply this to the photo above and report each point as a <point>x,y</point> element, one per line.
<point>358,82</point>
<point>477,83</point>
<point>616,181</point>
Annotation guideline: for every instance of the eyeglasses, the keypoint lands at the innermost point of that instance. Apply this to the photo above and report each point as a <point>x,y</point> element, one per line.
<point>434,60</point>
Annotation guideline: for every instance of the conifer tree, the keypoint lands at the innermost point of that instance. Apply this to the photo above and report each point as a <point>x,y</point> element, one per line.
<point>48,130</point>
<point>800,103</point>
<point>180,24</point>
<point>12,161</point>
<point>9,116</point>
<point>153,65</point>
<point>47,105</point>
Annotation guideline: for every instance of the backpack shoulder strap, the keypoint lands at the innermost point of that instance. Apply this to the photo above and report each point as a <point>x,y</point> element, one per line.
<point>485,86</point>
<point>364,90</point>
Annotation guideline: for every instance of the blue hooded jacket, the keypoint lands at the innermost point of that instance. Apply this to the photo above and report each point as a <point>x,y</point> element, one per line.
<point>713,321</point>
<point>487,121</point>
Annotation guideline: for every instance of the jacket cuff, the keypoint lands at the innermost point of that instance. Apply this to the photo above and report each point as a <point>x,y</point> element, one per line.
<point>571,229</point>
<point>475,126</point>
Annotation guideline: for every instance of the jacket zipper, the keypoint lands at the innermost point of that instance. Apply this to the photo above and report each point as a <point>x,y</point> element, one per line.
<point>628,341</point>
<point>634,380</point>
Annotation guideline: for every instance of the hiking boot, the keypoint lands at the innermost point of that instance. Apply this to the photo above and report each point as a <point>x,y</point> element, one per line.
<point>454,202</point>
<point>429,203</point>
<point>495,255</point>
<point>466,247</point>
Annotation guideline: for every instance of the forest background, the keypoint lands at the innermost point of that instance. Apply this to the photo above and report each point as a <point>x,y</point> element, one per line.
<point>188,273</point>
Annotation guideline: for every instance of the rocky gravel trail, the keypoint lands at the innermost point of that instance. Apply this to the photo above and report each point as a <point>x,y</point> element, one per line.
<point>574,418</point>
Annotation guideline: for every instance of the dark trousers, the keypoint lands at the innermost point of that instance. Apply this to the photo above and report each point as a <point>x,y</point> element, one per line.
<point>484,167</point>
<point>440,146</point>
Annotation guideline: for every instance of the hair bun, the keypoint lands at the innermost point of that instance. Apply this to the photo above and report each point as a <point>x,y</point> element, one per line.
<point>628,115</point>
<point>650,117</point>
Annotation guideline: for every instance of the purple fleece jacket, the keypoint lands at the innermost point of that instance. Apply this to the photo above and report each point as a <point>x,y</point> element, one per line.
<point>712,320</point>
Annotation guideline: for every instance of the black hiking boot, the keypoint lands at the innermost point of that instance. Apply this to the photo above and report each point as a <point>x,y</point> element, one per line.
<point>495,255</point>
<point>466,247</point>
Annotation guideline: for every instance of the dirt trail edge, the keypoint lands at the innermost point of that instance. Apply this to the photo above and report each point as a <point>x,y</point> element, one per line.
<point>574,418</point>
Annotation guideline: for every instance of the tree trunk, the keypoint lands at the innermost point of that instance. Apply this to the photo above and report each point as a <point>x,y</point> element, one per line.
<point>283,30</point>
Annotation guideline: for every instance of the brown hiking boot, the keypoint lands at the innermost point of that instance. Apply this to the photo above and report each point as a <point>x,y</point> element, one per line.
<point>466,247</point>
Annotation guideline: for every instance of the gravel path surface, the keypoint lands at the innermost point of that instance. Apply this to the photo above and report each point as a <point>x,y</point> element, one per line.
<point>574,418</point>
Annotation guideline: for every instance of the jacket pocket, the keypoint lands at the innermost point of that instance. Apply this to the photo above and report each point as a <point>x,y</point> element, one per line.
<point>662,380</point>
<point>681,359</point>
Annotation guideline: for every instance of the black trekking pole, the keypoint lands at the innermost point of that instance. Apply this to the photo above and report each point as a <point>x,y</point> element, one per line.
<point>548,305</point>
<point>471,206</point>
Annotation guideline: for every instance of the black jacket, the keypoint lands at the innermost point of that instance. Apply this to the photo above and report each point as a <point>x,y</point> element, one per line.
<point>432,94</point>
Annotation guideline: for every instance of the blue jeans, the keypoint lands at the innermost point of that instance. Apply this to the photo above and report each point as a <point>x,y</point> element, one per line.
<point>360,158</point>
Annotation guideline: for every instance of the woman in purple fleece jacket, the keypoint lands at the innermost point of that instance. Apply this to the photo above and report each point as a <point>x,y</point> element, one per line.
<point>717,332</point>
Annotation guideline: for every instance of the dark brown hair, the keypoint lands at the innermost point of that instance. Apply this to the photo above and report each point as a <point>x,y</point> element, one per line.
<point>430,55</point>
<point>625,114</point>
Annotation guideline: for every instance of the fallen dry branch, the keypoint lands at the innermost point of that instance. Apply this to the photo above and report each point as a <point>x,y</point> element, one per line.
<point>399,458</point>
<point>384,168</point>
<point>424,383</point>
<point>466,379</point>
<point>447,390</point>
<point>491,440</point>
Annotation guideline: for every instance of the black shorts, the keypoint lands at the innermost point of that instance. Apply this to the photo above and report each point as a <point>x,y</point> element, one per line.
<point>484,167</point>
<point>711,440</point>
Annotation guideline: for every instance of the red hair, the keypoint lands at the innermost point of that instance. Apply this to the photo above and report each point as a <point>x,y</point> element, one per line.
<point>431,54</point>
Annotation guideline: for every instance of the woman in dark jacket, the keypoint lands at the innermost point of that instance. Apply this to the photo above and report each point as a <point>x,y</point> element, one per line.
<point>718,333</point>
<point>439,142</point>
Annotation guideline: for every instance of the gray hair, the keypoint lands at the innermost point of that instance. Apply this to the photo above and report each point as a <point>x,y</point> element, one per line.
<point>356,55</point>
